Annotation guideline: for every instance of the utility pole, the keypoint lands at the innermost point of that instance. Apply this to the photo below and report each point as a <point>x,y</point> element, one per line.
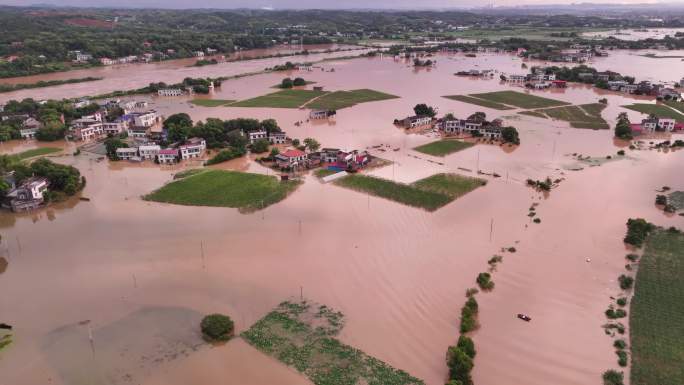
<point>491,229</point>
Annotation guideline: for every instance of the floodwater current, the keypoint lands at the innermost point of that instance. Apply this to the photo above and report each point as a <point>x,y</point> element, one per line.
<point>115,265</point>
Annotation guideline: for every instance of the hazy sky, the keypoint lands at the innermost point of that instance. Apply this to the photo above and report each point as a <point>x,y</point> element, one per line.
<point>279,4</point>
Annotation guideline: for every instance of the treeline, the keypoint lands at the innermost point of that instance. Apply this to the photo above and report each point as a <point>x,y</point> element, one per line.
<point>41,84</point>
<point>197,85</point>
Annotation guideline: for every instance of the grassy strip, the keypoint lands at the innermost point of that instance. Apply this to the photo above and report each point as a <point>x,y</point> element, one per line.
<point>280,99</point>
<point>219,188</point>
<point>660,110</point>
<point>478,102</point>
<point>536,114</point>
<point>323,172</point>
<point>430,193</point>
<point>582,116</point>
<point>443,147</point>
<point>302,335</point>
<point>42,84</point>
<point>36,152</point>
<point>656,328</point>
<point>342,99</point>
<point>211,102</point>
<point>519,99</point>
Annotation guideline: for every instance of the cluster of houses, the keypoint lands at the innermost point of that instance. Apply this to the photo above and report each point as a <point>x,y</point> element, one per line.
<point>177,91</point>
<point>27,195</point>
<point>192,148</point>
<point>577,53</point>
<point>414,121</point>
<point>84,57</point>
<point>654,124</point>
<point>538,79</point>
<point>464,127</point>
<point>660,91</point>
<point>136,124</point>
<point>332,158</point>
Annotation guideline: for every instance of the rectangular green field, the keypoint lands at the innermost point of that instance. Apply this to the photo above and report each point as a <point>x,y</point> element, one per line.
<point>657,312</point>
<point>302,335</point>
<point>429,194</point>
<point>582,116</point>
<point>281,99</point>
<point>219,188</point>
<point>478,102</point>
<point>36,152</point>
<point>342,99</point>
<point>211,102</point>
<point>519,99</point>
<point>658,109</point>
<point>443,147</point>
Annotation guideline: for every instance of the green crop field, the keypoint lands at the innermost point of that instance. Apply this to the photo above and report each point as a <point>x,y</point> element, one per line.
<point>519,99</point>
<point>221,188</point>
<point>659,110</point>
<point>36,152</point>
<point>478,102</point>
<point>429,194</point>
<point>657,312</point>
<point>211,102</point>
<point>342,99</point>
<point>582,116</point>
<point>443,147</point>
<point>302,335</point>
<point>280,99</point>
<point>534,113</point>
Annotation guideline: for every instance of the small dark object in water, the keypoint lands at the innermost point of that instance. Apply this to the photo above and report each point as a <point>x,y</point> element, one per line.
<point>6,326</point>
<point>524,317</point>
<point>84,199</point>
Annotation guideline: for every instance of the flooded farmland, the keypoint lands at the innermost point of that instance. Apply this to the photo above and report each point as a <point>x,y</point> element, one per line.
<point>118,278</point>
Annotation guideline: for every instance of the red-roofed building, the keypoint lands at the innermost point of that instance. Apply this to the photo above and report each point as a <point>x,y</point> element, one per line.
<point>637,128</point>
<point>291,158</point>
<point>168,156</point>
<point>679,127</point>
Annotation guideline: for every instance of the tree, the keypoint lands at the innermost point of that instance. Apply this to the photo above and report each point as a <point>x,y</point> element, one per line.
<point>479,117</point>
<point>270,126</point>
<point>217,327</point>
<point>299,82</point>
<point>181,119</point>
<point>424,110</point>
<point>613,377</point>
<point>236,140</point>
<point>111,144</point>
<point>177,133</point>
<point>623,129</point>
<point>312,144</point>
<point>449,116</point>
<point>51,131</point>
<point>114,113</point>
<point>260,146</point>
<point>274,152</point>
<point>460,365</point>
<point>286,83</point>
<point>510,135</point>
<point>295,142</point>
<point>467,345</point>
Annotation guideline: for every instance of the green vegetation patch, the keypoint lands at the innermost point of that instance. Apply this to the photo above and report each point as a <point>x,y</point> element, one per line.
<point>281,99</point>
<point>583,116</point>
<point>676,199</point>
<point>679,106</point>
<point>656,327</point>
<point>536,114</point>
<point>519,99</point>
<point>302,335</point>
<point>323,172</point>
<point>211,102</point>
<point>36,152</point>
<point>430,193</point>
<point>479,102</point>
<point>220,188</point>
<point>443,147</point>
<point>660,110</point>
<point>342,99</point>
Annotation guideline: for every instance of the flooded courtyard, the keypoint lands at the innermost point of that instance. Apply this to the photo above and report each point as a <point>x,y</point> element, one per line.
<point>117,278</point>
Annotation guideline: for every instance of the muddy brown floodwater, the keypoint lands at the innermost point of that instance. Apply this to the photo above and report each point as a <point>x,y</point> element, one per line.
<point>399,274</point>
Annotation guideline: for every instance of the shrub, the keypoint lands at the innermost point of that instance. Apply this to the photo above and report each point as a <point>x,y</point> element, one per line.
<point>632,257</point>
<point>217,327</point>
<point>286,83</point>
<point>512,250</point>
<point>467,345</point>
<point>622,301</point>
<point>637,231</point>
<point>260,146</point>
<point>613,377</point>
<point>622,357</point>
<point>620,344</point>
<point>469,315</point>
<point>484,280</point>
<point>460,365</point>
<point>225,155</point>
<point>536,220</point>
<point>626,282</point>
<point>621,152</point>
<point>661,199</point>
<point>616,313</point>
<point>471,292</point>
<point>299,82</point>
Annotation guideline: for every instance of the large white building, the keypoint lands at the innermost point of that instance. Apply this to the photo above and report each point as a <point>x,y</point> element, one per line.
<point>149,151</point>
<point>145,119</point>
<point>193,148</point>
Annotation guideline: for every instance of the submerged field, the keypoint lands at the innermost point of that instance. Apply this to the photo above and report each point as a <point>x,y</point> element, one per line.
<point>342,99</point>
<point>582,116</point>
<point>662,111</point>
<point>302,335</point>
<point>443,147</point>
<point>656,328</point>
<point>221,188</point>
<point>280,99</point>
<point>429,194</point>
<point>36,152</point>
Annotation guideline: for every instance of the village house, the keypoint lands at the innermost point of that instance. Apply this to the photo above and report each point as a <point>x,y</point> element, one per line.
<point>88,132</point>
<point>318,114</point>
<point>81,57</point>
<point>137,132</point>
<point>145,119</point>
<point>514,78</point>
<point>629,88</point>
<point>193,148</point>
<point>211,51</point>
<point>170,92</point>
<point>669,94</point>
<point>29,127</point>
<point>329,155</point>
<point>352,160</point>
<point>460,126</point>
<point>277,138</point>
<point>167,156</point>
<point>616,85</point>
<point>491,132</point>
<point>127,153</point>
<point>416,121</point>
<point>105,61</point>
<point>28,195</point>
<point>149,151</point>
<point>255,136</point>
<point>291,159</point>
<point>198,54</point>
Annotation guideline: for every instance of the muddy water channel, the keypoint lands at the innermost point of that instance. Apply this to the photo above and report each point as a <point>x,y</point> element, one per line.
<point>116,266</point>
